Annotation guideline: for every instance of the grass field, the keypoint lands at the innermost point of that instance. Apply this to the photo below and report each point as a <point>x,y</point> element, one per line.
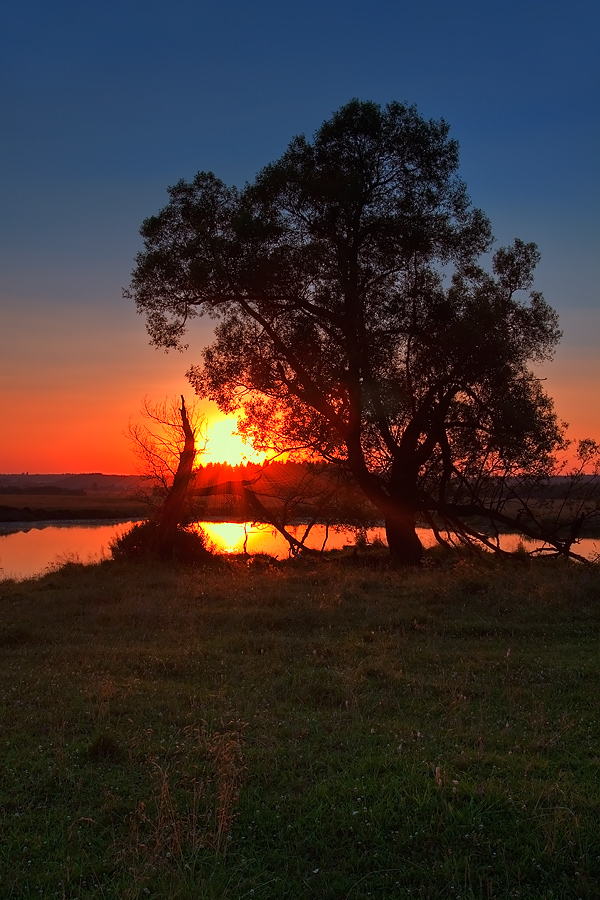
<point>103,503</point>
<point>306,731</point>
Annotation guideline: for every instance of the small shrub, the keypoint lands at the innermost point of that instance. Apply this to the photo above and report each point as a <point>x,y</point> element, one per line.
<point>140,543</point>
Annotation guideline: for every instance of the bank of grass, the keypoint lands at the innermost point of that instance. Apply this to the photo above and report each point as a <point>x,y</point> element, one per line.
<point>315,730</point>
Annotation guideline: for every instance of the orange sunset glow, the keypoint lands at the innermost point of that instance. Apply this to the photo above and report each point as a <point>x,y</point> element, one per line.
<point>225,445</point>
<point>61,424</point>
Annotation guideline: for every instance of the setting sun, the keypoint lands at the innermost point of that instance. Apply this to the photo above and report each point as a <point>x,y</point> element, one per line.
<point>224,445</point>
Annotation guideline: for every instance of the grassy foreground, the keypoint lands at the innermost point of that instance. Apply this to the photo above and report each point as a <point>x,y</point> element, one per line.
<point>309,731</point>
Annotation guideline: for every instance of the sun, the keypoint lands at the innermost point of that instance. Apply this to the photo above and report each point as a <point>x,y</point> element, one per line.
<point>226,446</point>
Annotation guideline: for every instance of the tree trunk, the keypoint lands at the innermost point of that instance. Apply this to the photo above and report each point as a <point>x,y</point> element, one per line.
<point>405,546</point>
<point>173,510</point>
<point>399,504</point>
<point>403,542</point>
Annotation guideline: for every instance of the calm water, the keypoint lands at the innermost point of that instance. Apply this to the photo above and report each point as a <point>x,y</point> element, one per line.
<point>41,547</point>
<point>24,554</point>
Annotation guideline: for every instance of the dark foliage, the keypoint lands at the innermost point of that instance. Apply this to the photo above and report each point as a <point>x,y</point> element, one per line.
<point>356,323</point>
<point>141,544</point>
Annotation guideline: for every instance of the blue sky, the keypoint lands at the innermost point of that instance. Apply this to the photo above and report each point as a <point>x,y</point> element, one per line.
<point>103,106</point>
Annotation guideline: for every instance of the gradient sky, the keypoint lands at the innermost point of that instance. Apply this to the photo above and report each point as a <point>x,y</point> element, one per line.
<point>103,106</point>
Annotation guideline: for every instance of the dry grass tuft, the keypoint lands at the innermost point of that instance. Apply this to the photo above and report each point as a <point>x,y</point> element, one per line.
<point>192,805</point>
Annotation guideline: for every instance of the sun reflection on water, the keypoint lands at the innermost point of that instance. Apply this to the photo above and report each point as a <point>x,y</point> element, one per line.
<point>227,537</point>
<point>251,537</point>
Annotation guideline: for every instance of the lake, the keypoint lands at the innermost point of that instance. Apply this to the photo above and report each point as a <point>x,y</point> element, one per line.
<point>39,546</point>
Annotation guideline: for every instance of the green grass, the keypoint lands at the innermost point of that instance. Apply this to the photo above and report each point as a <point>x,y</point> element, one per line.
<point>308,731</point>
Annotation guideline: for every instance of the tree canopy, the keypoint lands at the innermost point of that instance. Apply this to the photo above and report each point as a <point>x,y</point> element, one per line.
<point>356,322</point>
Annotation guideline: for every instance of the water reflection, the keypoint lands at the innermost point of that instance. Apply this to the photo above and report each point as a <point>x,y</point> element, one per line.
<point>28,553</point>
<point>240,537</point>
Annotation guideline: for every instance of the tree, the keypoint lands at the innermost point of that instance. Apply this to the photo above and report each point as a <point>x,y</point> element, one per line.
<point>356,323</point>
<point>167,452</point>
<point>171,442</point>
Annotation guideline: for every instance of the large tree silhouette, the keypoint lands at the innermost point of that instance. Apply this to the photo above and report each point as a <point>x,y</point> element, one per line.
<point>354,320</point>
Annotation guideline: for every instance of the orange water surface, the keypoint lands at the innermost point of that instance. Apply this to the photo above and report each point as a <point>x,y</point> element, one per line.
<point>31,552</point>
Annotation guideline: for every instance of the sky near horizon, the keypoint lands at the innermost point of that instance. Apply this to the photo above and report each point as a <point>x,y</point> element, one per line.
<point>103,106</point>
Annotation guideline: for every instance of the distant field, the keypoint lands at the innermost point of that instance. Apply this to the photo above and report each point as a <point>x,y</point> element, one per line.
<point>118,505</point>
<point>552,510</point>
